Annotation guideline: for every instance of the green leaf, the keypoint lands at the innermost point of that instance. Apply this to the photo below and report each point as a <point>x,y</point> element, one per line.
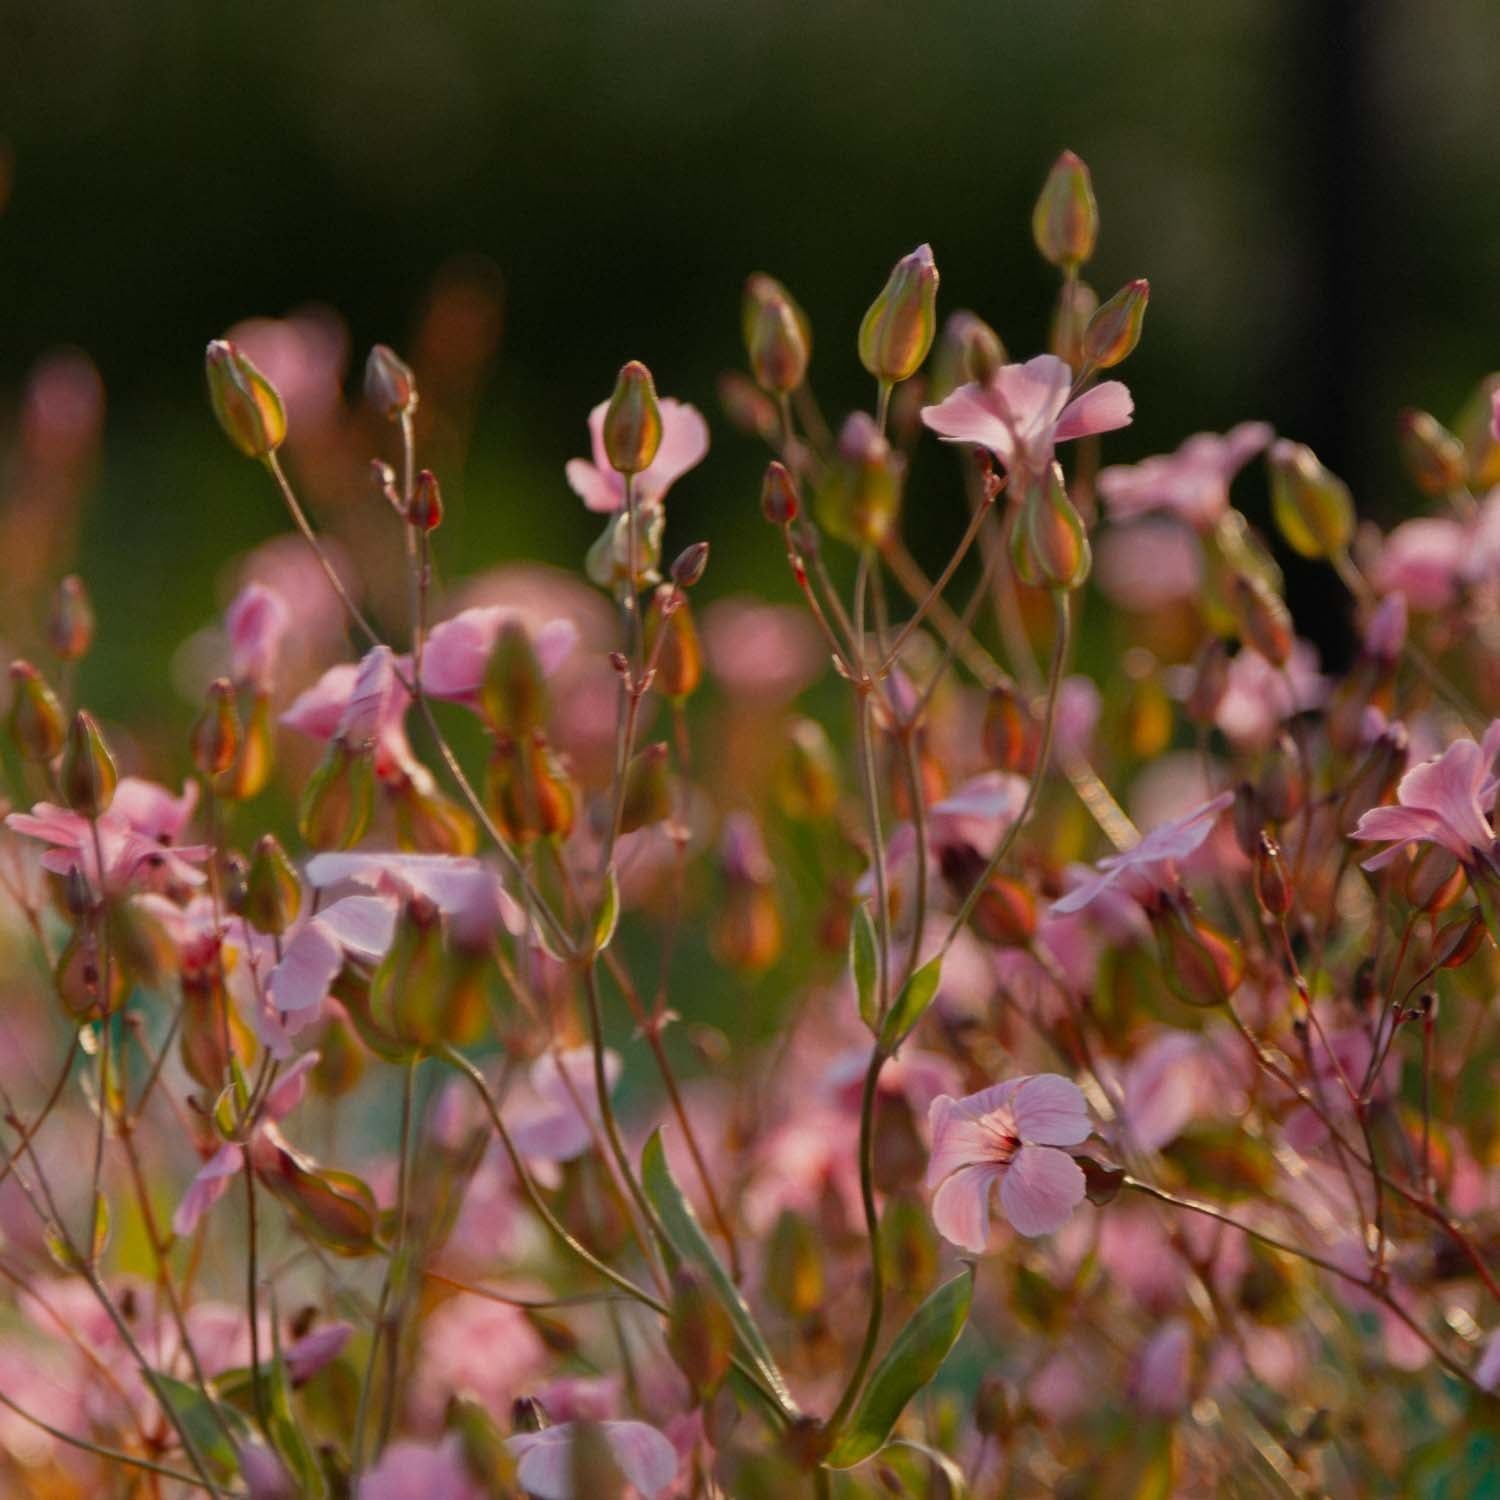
<point>692,1245</point>
<point>911,1004</point>
<point>205,1422</point>
<point>609,914</point>
<point>911,1361</point>
<point>291,1441</point>
<point>863,962</point>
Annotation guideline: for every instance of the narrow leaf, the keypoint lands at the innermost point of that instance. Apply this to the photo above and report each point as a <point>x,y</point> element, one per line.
<point>911,1361</point>
<point>609,914</point>
<point>862,961</point>
<point>206,1423</point>
<point>689,1241</point>
<point>911,1004</point>
<point>291,1441</point>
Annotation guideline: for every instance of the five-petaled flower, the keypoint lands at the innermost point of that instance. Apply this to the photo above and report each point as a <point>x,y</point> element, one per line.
<point>1008,1135</point>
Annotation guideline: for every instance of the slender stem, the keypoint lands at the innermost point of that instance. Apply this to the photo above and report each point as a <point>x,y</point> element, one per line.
<point>252,1300</point>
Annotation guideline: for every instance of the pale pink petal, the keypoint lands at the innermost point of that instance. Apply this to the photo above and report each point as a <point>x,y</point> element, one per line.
<point>1487,1371</point>
<point>211,1183</point>
<point>961,1206</point>
<point>362,925</point>
<point>554,643</point>
<point>309,965</point>
<point>1033,396</point>
<point>971,415</point>
<point>646,1458</point>
<point>370,700</point>
<point>1102,409</point>
<point>959,1130</point>
<point>317,1349</point>
<point>1040,1190</point>
<point>684,442</point>
<point>151,810</point>
<point>289,1088</point>
<point>1449,787</point>
<point>317,711</point>
<point>1050,1111</point>
<point>600,490</point>
<point>409,1470</point>
<point>257,622</point>
<point>1160,1378</point>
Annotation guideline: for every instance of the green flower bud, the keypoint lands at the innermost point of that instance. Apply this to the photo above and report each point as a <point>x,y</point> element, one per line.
<point>215,739</point>
<point>861,493</point>
<point>513,692</point>
<point>899,328</point>
<point>794,1278</point>
<point>1050,543</point>
<point>428,822</point>
<point>252,769</point>
<point>968,351</point>
<point>390,386</point>
<point>245,402</point>
<point>1434,458</point>
<point>632,421</point>
<point>35,722</point>
<point>1263,619</point>
<point>679,657</point>
<point>336,1209</point>
<point>1065,221</point>
<point>1115,329</point>
<point>777,336</point>
<point>70,629</point>
<point>1313,508</point>
<point>88,772</point>
<point>608,561</point>
<point>648,789</point>
<point>273,894</point>
<point>338,799</point>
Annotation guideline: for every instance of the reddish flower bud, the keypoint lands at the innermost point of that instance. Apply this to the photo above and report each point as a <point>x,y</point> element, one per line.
<point>245,402</point>
<point>1005,913</point>
<point>1247,818</point>
<point>1065,221</point>
<point>1050,543</point>
<point>1281,790</point>
<point>1202,965</point>
<point>861,493</point>
<point>70,628</point>
<point>1263,620</point>
<point>632,421</point>
<point>969,350</point>
<point>215,739</point>
<point>88,775</point>
<point>425,511</point>
<point>556,796</point>
<point>273,894</point>
<point>1008,734</point>
<point>1313,508</point>
<point>390,386</point>
<point>1459,940</point>
<point>748,407</point>
<point>1273,884</point>
<point>335,1209</point>
<point>1210,682</point>
<point>428,822</point>
<point>513,692</point>
<point>1374,779</point>
<point>253,768</point>
<point>778,495</point>
<point>35,722</point>
<point>700,1337</point>
<point>1434,458</point>
<point>678,657</point>
<point>777,336</point>
<point>1115,329</point>
<point>1435,879</point>
<point>898,330</point>
<point>747,935</point>
<point>687,570</point>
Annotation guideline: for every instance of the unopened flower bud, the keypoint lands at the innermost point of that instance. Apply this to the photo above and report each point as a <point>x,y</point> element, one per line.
<point>994,1404</point>
<point>1210,682</point>
<point>88,773</point>
<point>700,1337</point>
<point>338,799</point>
<point>513,692</point>
<point>35,722</point>
<point>1076,304</point>
<point>678,657</point>
<point>687,570</point>
<point>778,495</point>
<point>429,823</point>
<point>794,1278</point>
<point>1375,777</point>
<point>776,335</point>
<point>968,350</point>
<point>1459,940</point>
<point>1247,818</point>
<point>1312,506</point>
<point>1273,884</point>
<point>425,511</point>
<point>807,784</point>
<point>648,789</point>
<point>70,628</point>
<point>1202,965</point>
<point>335,1209</point>
<point>899,328</point>
<point>253,767</point>
<point>215,739</point>
<point>861,492</point>
<point>1263,620</point>
<point>1281,789</point>
<point>748,407</point>
<point>273,895</point>
<point>1065,221</point>
<point>1385,631</point>
<point>390,386</point>
<point>245,402</point>
<point>1435,879</point>
<point>1434,458</point>
<point>632,421</point>
<point>552,786</point>
<point>1005,913</point>
<point>1050,544</point>
<point>1007,733</point>
<point>1115,329</point>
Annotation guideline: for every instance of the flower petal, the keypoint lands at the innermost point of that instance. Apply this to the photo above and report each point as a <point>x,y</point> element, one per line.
<point>961,1207</point>
<point>211,1183</point>
<point>599,489</point>
<point>309,965</point>
<point>1051,1111</point>
<point>1102,409</point>
<point>1040,1189</point>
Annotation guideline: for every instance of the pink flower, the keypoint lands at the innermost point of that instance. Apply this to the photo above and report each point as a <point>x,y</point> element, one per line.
<point>130,857</point>
<point>561,1118</point>
<point>359,703</point>
<point>684,441</point>
<point>1006,1136</point>
<point>152,811</point>
<point>1424,560</point>
<point>1024,412</point>
<point>1260,696</point>
<point>420,1471</point>
<point>478,1346</point>
<point>1148,866</point>
<point>1159,1381</point>
<point>1487,1370</point>
<point>1146,564</point>
<point>544,1459</point>
<point>769,651</point>
<point>465,891</point>
<point>1442,801</point>
<point>1192,483</point>
<point>217,1174</point>
<point>1162,1088</point>
<point>257,623</point>
<point>458,650</point>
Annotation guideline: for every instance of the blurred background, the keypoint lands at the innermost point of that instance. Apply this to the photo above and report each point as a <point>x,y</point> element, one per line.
<point>540,192</point>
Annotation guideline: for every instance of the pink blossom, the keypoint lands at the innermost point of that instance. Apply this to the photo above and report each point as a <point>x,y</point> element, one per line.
<point>544,1459</point>
<point>1385,629</point>
<point>1192,483</point>
<point>257,623</point>
<point>1442,801</point>
<point>765,650</point>
<point>1024,412</point>
<point>1159,1381</point>
<point>1425,560</point>
<point>458,650</point>
<point>560,1118</point>
<point>264,1473</point>
<point>1260,696</point>
<point>1146,564</point>
<point>1162,1089</point>
<point>470,1344</point>
<point>152,811</point>
<point>359,703</point>
<point>217,1174</point>
<point>1150,864</point>
<point>130,856</point>
<point>1487,1370</point>
<point>1008,1136</point>
<point>409,1470</point>
<point>684,442</point>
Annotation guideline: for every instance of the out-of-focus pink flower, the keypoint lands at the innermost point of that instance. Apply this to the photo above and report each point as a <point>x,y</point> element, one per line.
<point>764,650</point>
<point>303,356</point>
<point>1159,1381</point>
<point>131,857</point>
<point>1260,696</point>
<point>219,1171</point>
<point>360,703</point>
<point>917,1077</point>
<point>1161,1089</point>
<point>468,893</point>
<point>1385,629</point>
<point>1424,560</point>
<point>1024,412</point>
<point>544,1459</point>
<point>1442,801</point>
<point>979,812</point>
<point>1006,1136</point>
<point>561,1117</point>
<point>1487,1370</point>
<point>1146,564</point>
<point>1192,483</point>
<point>286,565</point>
<point>264,1473</point>
<point>684,442</point>
<point>476,1345</point>
<point>410,1470</point>
<point>582,1398</point>
<point>458,650</point>
<point>1146,867</point>
<point>1076,716</point>
<point>256,621</point>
